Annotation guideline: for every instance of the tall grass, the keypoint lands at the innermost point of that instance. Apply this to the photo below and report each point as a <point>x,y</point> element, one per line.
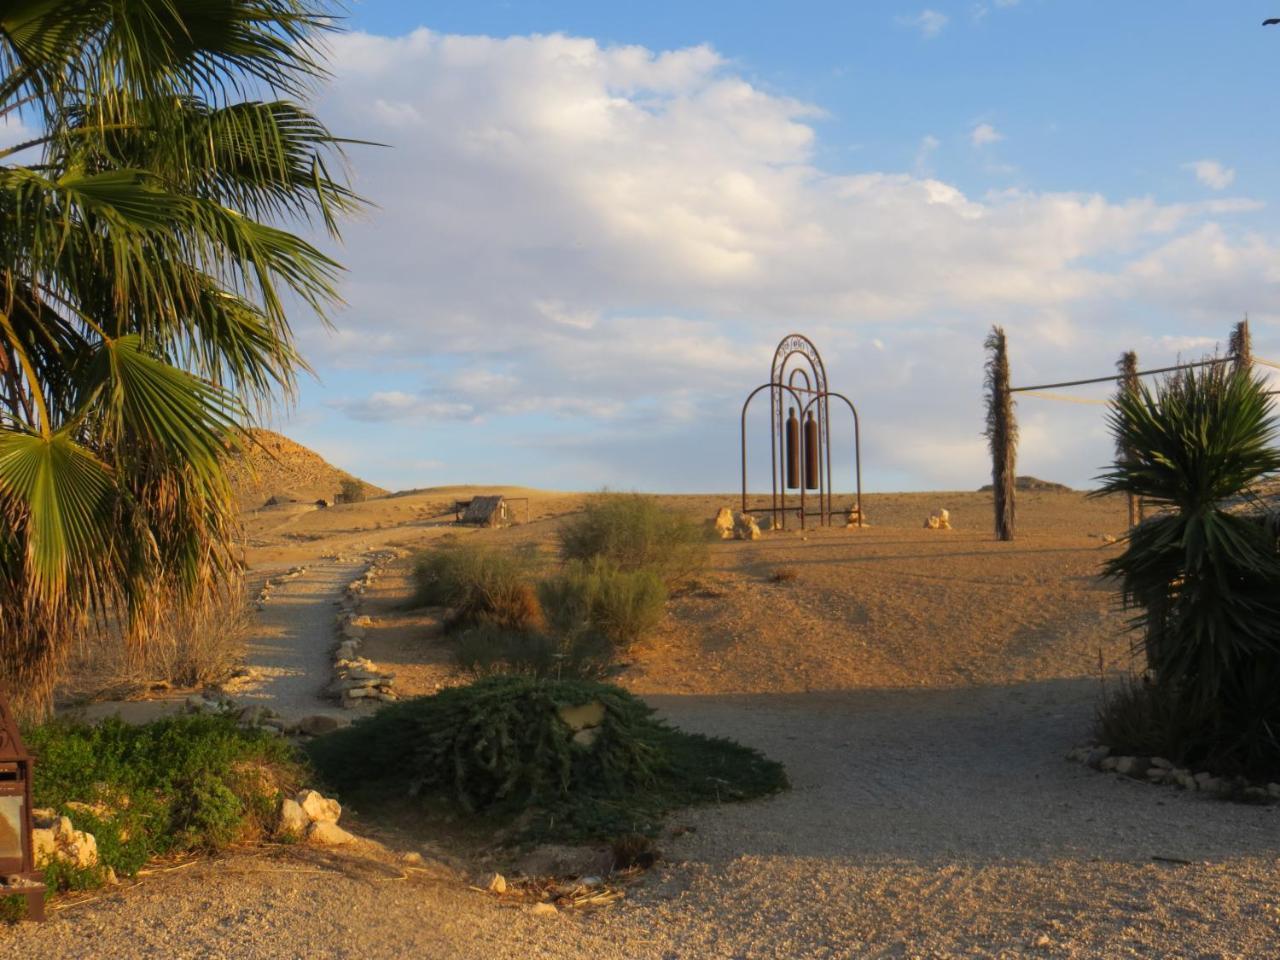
<point>635,532</point>
<point>481,585</point>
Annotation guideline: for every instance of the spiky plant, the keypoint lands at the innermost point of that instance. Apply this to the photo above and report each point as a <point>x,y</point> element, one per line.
<point>1001,432</point>
<point>144,271</point>
<point>1205,578</point>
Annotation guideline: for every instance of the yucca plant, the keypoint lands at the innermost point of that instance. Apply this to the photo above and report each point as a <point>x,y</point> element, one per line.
<point>1205,578</point>
<point>145,264</point>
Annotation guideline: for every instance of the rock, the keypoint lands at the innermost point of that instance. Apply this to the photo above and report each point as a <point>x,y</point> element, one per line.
<point>583,716</point>
<point>585,738</point>
<point>497,884</point>
<point>44,845</point>
<point>319,808</point>
<point>252,716</point>
<point>938,520</point>
<point>347,650</point>
<point>544,910</point>
<point>1135,767</point>
<point>293,819</point>
<point>109,877</point>
<point>745,527</point>
<point>43,817</point>
<point>329,834</point>
<point>724,523</point>
<point>1109,538</point>
<point>360,693</point>
<point>1108,763</point>
<point>1162,763</point>
<point>319,724</point>
<point>591,882</point>
<point>412,858</point>
<point>1095,756</point>
<point>1257,793</point>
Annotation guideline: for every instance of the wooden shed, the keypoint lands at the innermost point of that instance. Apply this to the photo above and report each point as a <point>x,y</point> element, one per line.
<point>488,511</point>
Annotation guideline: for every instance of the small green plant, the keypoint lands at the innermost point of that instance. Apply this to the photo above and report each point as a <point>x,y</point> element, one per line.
<point>636,532</point>
<point>480,585</point>
<point>568,759</point>
<point>178,784</point>
<point>597,597</point>
<point>351,490</point>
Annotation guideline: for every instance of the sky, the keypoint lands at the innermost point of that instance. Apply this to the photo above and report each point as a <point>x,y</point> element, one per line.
<point>591,224</point>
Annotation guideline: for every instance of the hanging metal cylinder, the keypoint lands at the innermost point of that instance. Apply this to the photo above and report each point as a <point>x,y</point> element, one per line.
<point>810,452</point>
<point>793,450</point>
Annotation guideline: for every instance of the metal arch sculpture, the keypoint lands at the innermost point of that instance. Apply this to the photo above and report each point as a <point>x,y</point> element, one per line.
<point>806,382</point>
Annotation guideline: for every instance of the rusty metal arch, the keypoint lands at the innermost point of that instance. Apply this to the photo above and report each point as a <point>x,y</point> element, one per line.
<point>857,444</point>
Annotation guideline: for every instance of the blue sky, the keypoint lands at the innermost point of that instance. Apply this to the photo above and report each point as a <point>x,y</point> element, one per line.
<point>594,221</point>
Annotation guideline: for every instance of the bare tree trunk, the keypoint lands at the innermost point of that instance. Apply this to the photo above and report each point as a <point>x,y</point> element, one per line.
<point>1240,345</point>
<point>1128,367</point>
<point>1001,432</point>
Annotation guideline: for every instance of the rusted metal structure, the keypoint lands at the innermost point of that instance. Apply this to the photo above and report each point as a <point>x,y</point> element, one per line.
<point>18,876</point>
<point>800,435</point>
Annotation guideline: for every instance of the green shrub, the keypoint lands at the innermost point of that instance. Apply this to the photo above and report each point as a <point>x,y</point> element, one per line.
<point>178,784</point>
<point>486,650</point>
<point>1205,578</point>
<point>635,532</point>
<point>351,490</point>
<point>502,747</point>
<point>480,585</point>
<point>596,597</point>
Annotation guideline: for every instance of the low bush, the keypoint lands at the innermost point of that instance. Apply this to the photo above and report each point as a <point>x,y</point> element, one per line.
<point>506,747</point>
<point>635,532</point>
<point>480,585</point>
<point>597,597</point>
<point>488,650</point>
<point>784,575</point>
<point>178,784</point>
<point>351,490</point>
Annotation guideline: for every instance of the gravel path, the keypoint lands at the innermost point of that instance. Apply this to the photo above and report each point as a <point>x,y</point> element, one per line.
<point>937,823</point>
<point>289,651</point>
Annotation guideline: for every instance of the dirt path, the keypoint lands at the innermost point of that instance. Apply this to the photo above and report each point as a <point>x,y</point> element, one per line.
<point>289,651</point>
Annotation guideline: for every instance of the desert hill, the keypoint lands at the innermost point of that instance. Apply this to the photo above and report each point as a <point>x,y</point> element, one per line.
<point>275,466</point>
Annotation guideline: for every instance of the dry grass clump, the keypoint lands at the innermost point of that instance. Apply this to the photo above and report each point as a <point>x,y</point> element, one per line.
<point>597,597</point>
<point>480,585</point>
<point>186,645</point>
<point>635,532</point>
<point>783,575</point>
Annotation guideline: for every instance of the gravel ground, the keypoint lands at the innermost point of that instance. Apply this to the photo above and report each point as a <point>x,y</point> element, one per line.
<point>920,824</point>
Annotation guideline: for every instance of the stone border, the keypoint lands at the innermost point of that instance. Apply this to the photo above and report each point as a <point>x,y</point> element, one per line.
<point>357,679</point>
<point>1159,771</point>
<point>264,595</point>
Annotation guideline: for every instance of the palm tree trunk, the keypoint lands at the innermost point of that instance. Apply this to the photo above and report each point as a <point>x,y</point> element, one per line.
<point>1001,432</point>
<point>1128,367</point>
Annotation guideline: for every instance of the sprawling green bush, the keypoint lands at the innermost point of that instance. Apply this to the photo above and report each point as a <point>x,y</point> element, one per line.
<point>480,584</point>
<point>178,784</point>
<point>635,532</point>
<point>505,747</point>
<point>1203,573</point>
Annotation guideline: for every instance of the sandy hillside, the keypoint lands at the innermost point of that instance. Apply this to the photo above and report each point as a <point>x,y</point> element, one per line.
<point>274,466</point>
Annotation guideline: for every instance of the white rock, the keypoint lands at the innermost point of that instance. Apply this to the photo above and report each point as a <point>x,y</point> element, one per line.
<point>44,845</point>
<point>293,819</point>
<point>497,884</point>
<point>544,910</point>
<point>724,523</point>
<point>745,527</point>
<point>329,834</point>
<point>318,808</point>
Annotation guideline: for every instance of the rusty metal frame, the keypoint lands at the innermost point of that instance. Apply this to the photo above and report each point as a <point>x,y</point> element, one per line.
<point>813,394</point>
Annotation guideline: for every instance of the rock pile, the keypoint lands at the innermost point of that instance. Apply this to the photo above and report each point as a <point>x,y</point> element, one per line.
<point>55,839</point>
<point>745,527</point>
<point>355,678</point>
<point>938,520</point>
<point>264,595</point>
<point>856,518</point>
<point>312,817</point>
<point>1158,770</point>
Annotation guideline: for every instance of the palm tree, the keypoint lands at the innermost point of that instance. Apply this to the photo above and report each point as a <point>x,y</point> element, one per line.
<point>1204,573</point>
<point>145,268</point>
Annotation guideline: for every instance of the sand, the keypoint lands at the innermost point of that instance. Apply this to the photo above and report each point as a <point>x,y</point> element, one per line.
<point>921,687</point>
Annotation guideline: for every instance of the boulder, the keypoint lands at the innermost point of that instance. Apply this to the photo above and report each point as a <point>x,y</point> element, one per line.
<point>497,884</point>
<point>44,845</point>
<point>724,523</point>
<point>317,807</point>
<point>745,527</point>
<point>938,520</point>
<point>319,724</point>
<point>584,716</point>
<point>293,819</point>
<point>329,834</point>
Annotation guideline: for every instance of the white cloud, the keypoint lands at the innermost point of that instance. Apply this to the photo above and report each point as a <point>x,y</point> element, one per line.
<point>983,134</point>
<point>616,238</point>
<point>1212,174</point>
<point>930,23</point>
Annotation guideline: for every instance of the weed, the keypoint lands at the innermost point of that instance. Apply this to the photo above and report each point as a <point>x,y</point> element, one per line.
<point>597,597</point>
<point>636,532</point>
<point>480,585</point>
<point>783,575</point>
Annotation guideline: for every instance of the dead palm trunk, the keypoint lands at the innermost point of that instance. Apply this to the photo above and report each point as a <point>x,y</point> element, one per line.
<point>1240,346</point>
<point>1001,432</point>
<point>1128,367</point>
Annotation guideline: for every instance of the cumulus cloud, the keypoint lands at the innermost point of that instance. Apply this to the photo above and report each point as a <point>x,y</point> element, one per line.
<point>930,23</point>
<point>1214,175</point>
<point>614,237</point>
<point>983,134</point>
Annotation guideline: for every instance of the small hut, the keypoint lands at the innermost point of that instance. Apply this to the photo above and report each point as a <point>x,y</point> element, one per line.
<point>487,511</point>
